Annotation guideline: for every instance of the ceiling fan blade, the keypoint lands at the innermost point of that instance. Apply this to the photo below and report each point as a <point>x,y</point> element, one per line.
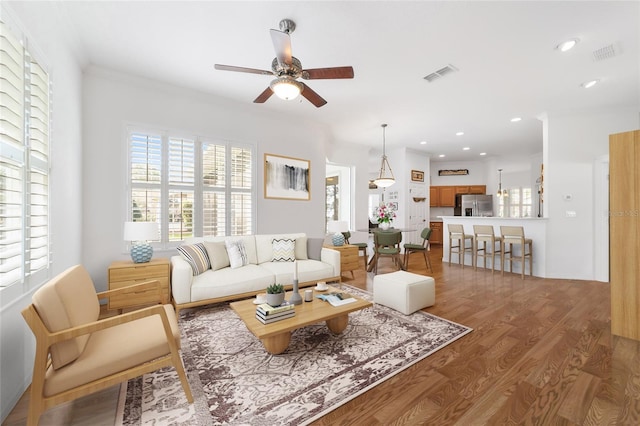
<point>262,97</point>
<point>312,96</point>
<point>282,46</point>
<point>242,69</point>
<point>326,73</point>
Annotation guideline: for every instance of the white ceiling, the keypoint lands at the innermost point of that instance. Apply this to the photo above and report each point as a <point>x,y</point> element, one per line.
<point>505,53</point>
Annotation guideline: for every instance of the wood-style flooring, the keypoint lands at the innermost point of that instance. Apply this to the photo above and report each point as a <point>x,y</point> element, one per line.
<point>541,353</point>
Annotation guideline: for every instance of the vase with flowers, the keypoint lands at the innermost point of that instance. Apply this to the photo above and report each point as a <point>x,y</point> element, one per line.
<point>385,214</point>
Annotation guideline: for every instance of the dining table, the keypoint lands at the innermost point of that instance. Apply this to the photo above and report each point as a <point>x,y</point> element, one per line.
<point>371,262</point>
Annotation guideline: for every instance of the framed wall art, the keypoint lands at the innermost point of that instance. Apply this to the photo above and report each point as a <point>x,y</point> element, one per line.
<point>287,178</point>
<point>417,176</point>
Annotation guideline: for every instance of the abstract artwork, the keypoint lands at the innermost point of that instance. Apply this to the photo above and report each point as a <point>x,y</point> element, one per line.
<point>286,178</point>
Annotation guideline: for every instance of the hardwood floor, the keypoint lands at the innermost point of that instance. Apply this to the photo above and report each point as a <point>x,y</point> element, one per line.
<point>541,353</point>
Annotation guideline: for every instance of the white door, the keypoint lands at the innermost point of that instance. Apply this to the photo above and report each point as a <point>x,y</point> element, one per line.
<point>417,212</point>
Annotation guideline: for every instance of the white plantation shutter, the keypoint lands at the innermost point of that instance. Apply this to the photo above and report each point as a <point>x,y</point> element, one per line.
<point>241,191</point>
<point>192,187</point>
<point>24,163</point>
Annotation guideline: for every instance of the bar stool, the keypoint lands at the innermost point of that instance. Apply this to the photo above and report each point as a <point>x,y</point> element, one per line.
<point>456,233</point>
<point>484,234</point>
<point>515,235</point>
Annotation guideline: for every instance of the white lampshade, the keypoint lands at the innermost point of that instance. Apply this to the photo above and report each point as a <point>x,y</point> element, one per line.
<point>140,231</point>
<point>286,88</point>
<point>337,226</point>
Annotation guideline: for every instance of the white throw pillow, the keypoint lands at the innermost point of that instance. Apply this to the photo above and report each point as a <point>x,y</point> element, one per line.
<point>301,248</point>
<point>237,253</point>
<point>283,250</point>
<point>217,254</point>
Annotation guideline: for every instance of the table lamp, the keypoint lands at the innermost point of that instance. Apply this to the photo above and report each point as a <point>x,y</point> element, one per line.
<point>338,227</point>
<point>139,233</point>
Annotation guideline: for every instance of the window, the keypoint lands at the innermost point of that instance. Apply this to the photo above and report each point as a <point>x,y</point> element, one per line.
<point>517,204</point>
<point>24,163</point>
<point>190,186</point>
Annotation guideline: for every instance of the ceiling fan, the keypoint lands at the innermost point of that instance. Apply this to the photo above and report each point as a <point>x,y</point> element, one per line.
<point>288,69</point>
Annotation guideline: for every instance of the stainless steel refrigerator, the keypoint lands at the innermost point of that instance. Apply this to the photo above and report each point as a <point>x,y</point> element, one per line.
<point>477,205</point>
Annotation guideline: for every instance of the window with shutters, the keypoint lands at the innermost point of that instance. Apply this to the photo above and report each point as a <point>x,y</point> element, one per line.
<point>191,186</point>
<point>24,163</point>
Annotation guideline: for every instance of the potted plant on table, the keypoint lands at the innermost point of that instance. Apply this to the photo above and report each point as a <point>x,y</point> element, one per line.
<point>275,295</point>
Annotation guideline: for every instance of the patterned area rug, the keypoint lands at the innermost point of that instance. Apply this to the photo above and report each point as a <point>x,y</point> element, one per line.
<point>235,381</point>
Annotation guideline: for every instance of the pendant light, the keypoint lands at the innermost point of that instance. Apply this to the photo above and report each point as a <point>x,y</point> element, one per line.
<point>384,179</point>
<point>501,193</point>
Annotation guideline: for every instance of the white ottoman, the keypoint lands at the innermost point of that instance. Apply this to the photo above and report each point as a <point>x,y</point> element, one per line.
<point>403,291</point>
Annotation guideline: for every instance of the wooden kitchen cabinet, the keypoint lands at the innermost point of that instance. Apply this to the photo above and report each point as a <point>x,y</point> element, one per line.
<point>478,189</point>
<point>126,273</point>
<point>447,196</point>
<point>434,196</point>
<point>436,233</point>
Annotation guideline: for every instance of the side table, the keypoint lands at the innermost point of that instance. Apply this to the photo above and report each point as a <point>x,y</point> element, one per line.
<point>349,255</point>
<point>125,273</point>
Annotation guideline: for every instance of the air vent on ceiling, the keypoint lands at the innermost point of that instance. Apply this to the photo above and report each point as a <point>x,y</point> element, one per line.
<point>440,73</point>
<point>604,53</point>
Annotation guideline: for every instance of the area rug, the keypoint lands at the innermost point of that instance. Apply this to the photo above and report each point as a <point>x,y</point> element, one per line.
<point>235,381</point>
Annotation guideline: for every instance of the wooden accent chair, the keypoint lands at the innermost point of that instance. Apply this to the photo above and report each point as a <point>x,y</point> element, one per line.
<point>456,233</point>
<point>78,354</point>
<point>362,247</point>
<point>514,235</point>
<point>414,248</point>
<point>484,234</point>
<point>386,243</point>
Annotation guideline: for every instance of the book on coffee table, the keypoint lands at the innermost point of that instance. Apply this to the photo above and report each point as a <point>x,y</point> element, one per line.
<point>337,299</point>
<point>275,318</point>
<point>270,310</point>
<point>288,312</point>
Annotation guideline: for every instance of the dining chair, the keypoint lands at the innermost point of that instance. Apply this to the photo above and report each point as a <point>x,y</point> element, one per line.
<point>414,248</point>
<point>387,243</point>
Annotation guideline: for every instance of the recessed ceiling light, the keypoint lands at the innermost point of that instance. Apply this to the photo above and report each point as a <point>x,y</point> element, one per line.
<point>441,155</point>
<point>567,45</point>
<point>588,84</point>
<point>423,143</point>
<point>515,119</point>
<point>483,153</point>
<point>466,148</point>
<point>459,133</point>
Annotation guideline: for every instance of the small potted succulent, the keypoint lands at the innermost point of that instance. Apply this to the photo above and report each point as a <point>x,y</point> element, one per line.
<point>275,295</point>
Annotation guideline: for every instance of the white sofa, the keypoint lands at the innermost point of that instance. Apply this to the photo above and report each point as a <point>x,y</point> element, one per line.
<point>246,281</point>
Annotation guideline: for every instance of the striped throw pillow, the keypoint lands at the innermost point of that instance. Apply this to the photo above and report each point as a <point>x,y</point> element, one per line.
<point>196,256</point>
<point>284,250</point>
<point>237,253</point>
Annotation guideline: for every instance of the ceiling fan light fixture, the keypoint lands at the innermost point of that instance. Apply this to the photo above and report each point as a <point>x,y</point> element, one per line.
<point>286,88</point>
<point>385,179</point>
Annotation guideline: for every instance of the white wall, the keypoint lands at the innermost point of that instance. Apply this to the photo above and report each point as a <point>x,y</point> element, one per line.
<point>477,173</point>
<point>111,100</point>
<point>573,143</point>
<point>41,24</point>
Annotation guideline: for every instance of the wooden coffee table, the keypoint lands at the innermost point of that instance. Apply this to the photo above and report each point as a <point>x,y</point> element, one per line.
<point>276,336</point>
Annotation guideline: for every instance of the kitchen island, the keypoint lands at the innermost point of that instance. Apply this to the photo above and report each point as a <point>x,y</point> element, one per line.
<point>534,228</point>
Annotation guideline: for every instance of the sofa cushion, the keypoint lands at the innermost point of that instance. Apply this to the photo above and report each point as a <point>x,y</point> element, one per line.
<point>111,350</point>
<point>314,247</point>
<point>196,255</point>
<point>68,300</point>
<point>226,282</point>
<point>283,250</point>
<point>308,270</point>
<point>217,254</point>
<point>264,246</point>
<point>237,253</point>
<point>248,240</point>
